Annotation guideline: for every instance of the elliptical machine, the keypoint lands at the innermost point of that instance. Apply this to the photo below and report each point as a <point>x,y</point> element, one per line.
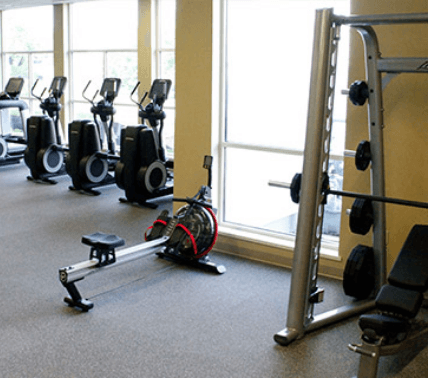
<point>44,154</point>
<point>88,163</point>
<point>12,146</point>
<point>143,171</point>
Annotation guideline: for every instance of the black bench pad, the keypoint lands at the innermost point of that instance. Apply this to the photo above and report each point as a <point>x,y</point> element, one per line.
<point>383,325</point>
<point>102,240</point>
<point>398,301</point>
<point>410,270</point>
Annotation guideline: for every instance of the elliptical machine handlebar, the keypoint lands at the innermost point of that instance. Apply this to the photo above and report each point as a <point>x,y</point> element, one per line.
<point>92,102</point>
<point>40,98</point>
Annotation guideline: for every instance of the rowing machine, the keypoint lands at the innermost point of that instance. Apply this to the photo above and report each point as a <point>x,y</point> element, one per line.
<point>185,238</point>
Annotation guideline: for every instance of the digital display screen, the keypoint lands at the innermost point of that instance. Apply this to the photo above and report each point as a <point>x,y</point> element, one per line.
<point>14,86</point>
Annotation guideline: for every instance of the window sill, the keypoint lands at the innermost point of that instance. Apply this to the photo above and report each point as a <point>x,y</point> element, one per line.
<point>329,250</point>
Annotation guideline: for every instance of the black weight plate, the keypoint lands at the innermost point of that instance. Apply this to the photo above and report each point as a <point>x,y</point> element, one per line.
<point>361,216</point>
<point>363,156</point>
<point>359,93</point>
<point>358,276</point>
<point>295,186</point>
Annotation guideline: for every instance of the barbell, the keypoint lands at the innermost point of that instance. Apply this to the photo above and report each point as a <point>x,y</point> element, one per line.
<point>361,213</point>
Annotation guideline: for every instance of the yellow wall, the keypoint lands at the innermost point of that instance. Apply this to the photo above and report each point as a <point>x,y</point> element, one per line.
<point>193,94</point>
<point>406,125</point>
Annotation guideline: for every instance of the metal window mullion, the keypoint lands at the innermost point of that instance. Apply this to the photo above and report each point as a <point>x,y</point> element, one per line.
<point>2,57</point>
<point>157,49</point>
<point>30,78</point>
<point>105,62</point>
<point>30,51</point>
<point>105,50</point>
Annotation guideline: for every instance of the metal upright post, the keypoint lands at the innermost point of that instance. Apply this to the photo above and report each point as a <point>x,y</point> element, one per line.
<point>309,227</point>
<point>375,114</point>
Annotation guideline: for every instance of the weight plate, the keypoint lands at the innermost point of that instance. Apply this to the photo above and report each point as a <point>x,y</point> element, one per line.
<point>363,156</point>
<point>295,186</point>
<point>359,92</point>
<point>361,216</point>
<point>358,276</point>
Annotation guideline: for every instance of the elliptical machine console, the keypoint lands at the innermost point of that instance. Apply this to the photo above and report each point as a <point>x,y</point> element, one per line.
<point>92,151</point>
<point>143,171</point>
<point>12,146</point>
<point>44,155</point>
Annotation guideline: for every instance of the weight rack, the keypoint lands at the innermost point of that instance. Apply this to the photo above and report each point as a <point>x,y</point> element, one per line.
<point>304,293</point>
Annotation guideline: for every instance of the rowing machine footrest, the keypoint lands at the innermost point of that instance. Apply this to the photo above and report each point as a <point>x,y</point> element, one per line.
<point>102,247</point>
<point>75,299</point>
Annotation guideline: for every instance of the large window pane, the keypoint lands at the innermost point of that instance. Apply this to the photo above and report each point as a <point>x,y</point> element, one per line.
<point>167,71</point>
<point>167,24</point>
<point>248,173</point>
<point>28,29</point>
<point>16,65</point>
<point>246,183</point>
<point>268,70</point>
<point>267,91</point>
<point>43,68</point>
<point>123,66</point>
<point>168,132</point>
<point>87,66</point>
<point>105,26</point>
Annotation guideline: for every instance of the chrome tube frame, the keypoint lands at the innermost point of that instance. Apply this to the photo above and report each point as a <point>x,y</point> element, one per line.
<point>300,317</point>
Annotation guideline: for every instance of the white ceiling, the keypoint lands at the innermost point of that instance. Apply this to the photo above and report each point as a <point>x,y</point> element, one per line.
<point>11,4</point>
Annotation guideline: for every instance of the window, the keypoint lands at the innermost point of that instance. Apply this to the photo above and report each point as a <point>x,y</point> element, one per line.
<point>267,73</point>
<point>165,65</point>
<point>103,44</point>
<point>27,49</point>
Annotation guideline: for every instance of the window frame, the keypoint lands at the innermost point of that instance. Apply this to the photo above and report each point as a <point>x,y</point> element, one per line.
<point>330,243</point>
<point>71,53</point>
<point>31,101</point>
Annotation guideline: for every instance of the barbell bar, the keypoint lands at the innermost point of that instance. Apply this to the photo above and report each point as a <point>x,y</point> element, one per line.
<point>370,197</point>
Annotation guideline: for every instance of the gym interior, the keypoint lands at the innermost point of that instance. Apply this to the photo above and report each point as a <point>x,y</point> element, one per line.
<point>156,318</point>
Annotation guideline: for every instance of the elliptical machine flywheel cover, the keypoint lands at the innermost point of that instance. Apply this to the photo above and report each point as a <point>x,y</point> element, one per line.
<point>94,168</point>
<point>201,224</point>
<point>152,177</point>
<point>51,159</point>
<point>3,148</point>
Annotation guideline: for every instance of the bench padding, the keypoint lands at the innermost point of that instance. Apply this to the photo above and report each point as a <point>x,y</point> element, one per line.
<point>410,270</point>
<point>398,301</point>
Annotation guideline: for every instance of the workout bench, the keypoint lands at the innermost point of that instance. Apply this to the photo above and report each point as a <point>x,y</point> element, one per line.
<point>398,302</point>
